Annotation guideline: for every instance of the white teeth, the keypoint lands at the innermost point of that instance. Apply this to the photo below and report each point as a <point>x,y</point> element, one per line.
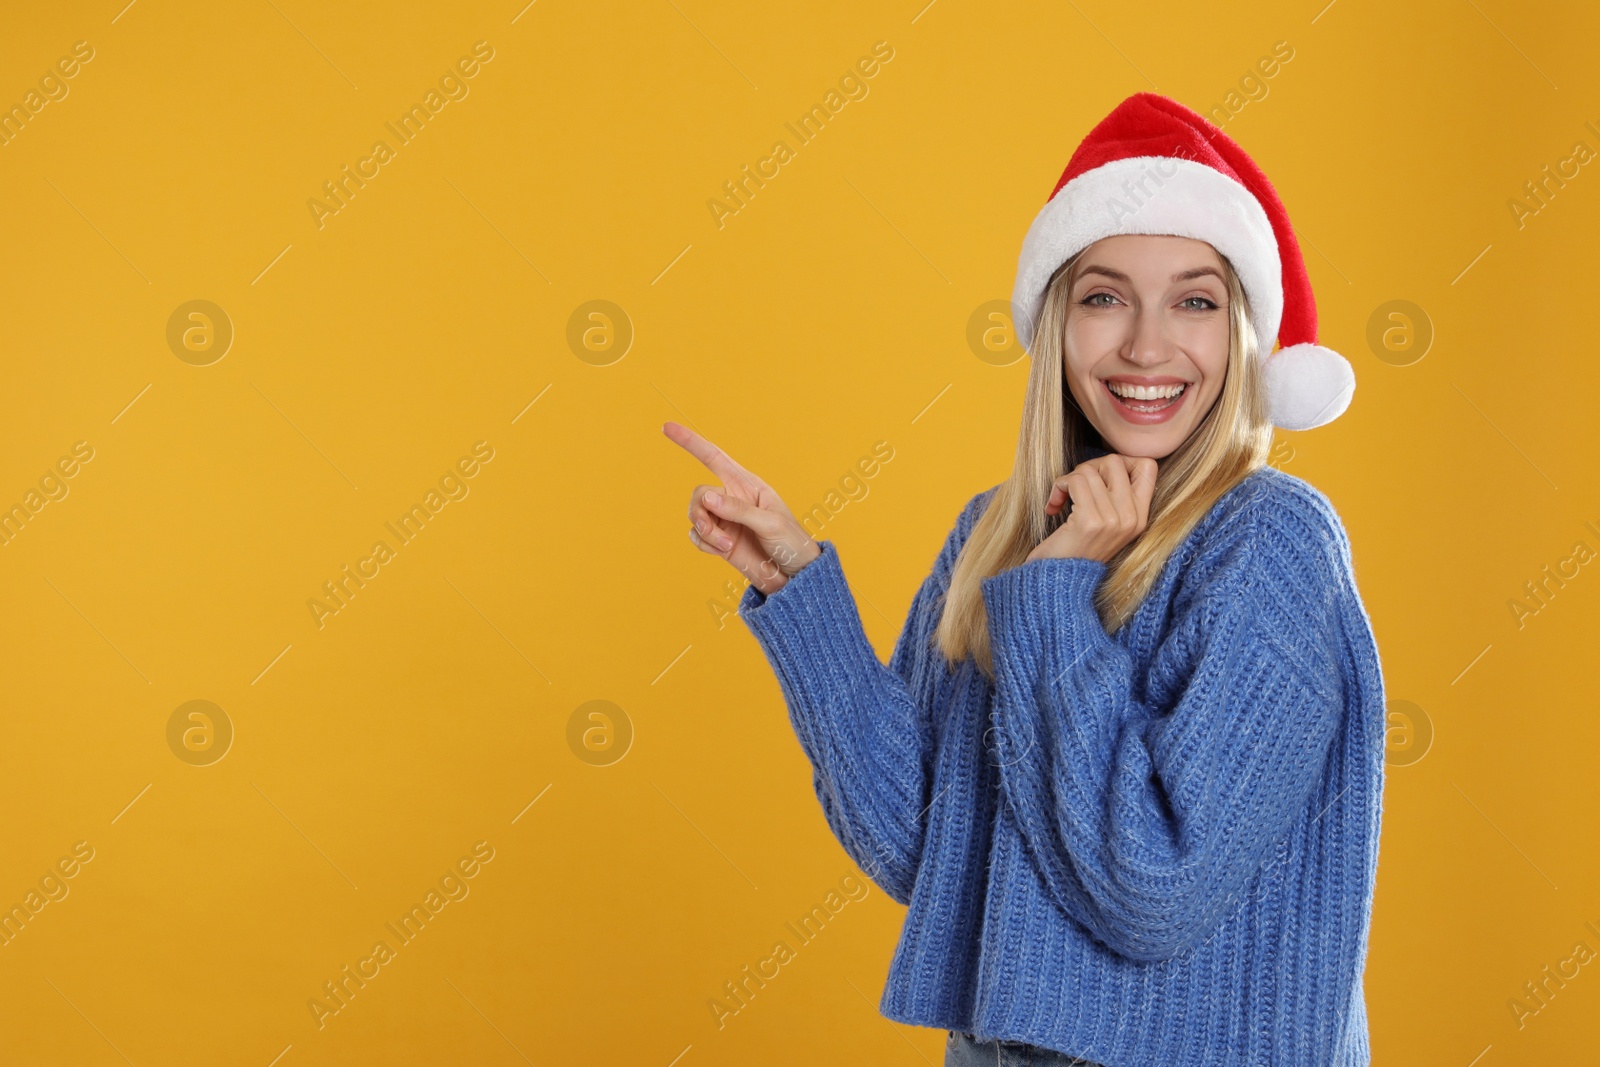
<point>1145,392</point>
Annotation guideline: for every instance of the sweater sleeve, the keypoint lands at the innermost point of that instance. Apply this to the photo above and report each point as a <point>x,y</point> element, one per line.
<point>1147,815</point>
<point>866,728</point>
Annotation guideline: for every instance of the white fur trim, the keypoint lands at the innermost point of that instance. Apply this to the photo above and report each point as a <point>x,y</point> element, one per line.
<point>1156,195</point>
<point>1307,386</point>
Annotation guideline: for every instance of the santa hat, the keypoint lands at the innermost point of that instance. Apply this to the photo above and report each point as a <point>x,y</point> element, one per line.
<point>1154,166</point>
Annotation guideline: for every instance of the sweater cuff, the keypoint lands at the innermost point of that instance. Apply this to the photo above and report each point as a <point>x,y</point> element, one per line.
<point>1043,611</point>
<point>753,606</point>
<point>809,623</point>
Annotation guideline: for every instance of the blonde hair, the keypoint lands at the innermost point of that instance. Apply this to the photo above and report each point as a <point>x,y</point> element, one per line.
<point>1231,442</point>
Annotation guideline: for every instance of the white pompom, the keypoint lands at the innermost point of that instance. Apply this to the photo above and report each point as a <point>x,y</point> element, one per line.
<point>1307,386</point>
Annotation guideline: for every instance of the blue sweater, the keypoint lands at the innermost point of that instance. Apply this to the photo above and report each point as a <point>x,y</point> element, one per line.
<point>1155,848</point>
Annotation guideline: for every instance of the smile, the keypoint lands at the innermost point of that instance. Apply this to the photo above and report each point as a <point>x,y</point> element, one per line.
<point>1146,404</point>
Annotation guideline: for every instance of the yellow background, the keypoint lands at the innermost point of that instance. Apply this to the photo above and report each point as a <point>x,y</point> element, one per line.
<point>369,354</point>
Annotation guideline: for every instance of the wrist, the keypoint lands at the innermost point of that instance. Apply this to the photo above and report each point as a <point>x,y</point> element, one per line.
<point>789,562</point>
<point>772,576</point>
<point>807,556</point>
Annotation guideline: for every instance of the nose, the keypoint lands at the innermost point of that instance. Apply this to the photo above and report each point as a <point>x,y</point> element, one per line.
<point>1148,345</point>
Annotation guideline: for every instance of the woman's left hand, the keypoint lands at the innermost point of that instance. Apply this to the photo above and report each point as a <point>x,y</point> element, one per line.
<point>1110,507</point>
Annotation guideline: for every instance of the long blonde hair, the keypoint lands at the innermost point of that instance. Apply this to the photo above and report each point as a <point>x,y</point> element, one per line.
<point>1232,441</point>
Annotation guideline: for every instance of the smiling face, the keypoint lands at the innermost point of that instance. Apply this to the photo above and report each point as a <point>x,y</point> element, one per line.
<point>1146,339</point>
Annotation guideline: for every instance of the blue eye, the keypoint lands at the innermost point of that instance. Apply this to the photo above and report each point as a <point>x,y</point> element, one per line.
<point>1091,296</point>
<point>1209,304</point>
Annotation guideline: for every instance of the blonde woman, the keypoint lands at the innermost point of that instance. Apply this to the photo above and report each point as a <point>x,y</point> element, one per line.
<point>1125,764</point>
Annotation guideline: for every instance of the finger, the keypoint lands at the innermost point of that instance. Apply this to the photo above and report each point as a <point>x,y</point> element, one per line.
<point>1072,491</point>
<point>1145,471</point>
<point>720,463</point>
<point>709,525</point>
<point>1108,467</point>
<point>700,543</point>
<point>764,523</point>
<point>1120,491</point>
<point>1075,483</point>
<point>1091,486</point>
<point>1058,496</point>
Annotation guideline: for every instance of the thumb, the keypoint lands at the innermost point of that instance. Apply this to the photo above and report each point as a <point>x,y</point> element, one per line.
<point>735,510</point>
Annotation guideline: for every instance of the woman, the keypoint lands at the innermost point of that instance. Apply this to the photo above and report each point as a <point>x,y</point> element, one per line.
<point>1125,765</point>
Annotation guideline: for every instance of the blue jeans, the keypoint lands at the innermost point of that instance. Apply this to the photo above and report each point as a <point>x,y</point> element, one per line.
<point>961,1050</point>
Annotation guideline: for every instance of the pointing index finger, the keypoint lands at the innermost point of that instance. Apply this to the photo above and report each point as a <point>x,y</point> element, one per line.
<point>719,462</point>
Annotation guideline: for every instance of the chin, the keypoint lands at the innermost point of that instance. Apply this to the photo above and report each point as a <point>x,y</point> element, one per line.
<point>1140,447</point>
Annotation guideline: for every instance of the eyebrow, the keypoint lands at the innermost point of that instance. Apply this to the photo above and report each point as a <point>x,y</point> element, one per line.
<point>1182,276</point>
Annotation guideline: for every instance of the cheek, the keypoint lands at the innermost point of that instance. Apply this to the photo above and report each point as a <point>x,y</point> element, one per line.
<point>1207,349</point>
<point>1080,377</point>
<point>1083,346</point>
<point>1213,356</point>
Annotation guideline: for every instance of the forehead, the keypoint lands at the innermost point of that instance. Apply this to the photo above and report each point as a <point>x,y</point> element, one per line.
<point>1151,256</point>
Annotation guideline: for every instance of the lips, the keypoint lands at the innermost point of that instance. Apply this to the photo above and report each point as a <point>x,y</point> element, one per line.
<point>1147,411</point>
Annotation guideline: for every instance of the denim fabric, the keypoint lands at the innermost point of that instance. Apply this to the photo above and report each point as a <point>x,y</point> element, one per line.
<point>961,1050</point>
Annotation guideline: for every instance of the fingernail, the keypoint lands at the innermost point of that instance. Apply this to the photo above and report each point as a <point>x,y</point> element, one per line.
<point>714,499</point>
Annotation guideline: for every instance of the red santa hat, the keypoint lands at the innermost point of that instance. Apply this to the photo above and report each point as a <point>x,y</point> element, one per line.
<point>1154,166</point>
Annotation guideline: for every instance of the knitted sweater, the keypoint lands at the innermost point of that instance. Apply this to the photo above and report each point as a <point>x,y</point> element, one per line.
<point>1155,848</point>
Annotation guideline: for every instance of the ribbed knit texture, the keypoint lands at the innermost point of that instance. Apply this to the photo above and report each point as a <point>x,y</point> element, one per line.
<point>1155,848</point>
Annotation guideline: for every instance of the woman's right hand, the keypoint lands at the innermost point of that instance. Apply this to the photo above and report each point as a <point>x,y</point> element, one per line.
<point>743,521</point>
<point>1110,498</point>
